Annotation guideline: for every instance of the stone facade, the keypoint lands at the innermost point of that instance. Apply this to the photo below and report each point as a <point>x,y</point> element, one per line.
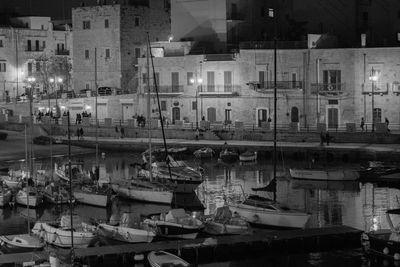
<point>117,33</point>
<point>239,87</point>
<point>19,47</point>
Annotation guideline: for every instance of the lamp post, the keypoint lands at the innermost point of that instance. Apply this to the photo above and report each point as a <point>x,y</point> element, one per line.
<point>54,81</point>
<point>31,81</point>
<point>373,78</point>
<point>192,82</point>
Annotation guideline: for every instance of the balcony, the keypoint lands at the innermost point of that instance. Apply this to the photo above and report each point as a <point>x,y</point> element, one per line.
<point>219,57</point>
<point>280,85</point>
<point>35,49</point>
<point>379,88</point>
<point>172,90</point>
<point>63,52</point>
<point>219,90</point>
<point>328,88</point>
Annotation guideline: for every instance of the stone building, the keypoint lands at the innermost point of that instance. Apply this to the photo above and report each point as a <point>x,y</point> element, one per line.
<point>21,45</point>
<point>108,40</point>
<point>334,87</point>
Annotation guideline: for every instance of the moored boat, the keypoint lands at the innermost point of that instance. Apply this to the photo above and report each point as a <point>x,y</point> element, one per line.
<point>223,222</point>
<point>56,194</point>
<point>328,174</point>
<point>248,156</point>
<point>127,231</point>
<point>5,196</point>
<point>32,199</point>
<point>21,243</point>
<point>163,258</point>
<point>266,212</point>
<point>204,152</point>
<point>228,155</point>
<point>176,224</point>
<point>143,190</point>
<point>93,195</point>
<point>59,233</point>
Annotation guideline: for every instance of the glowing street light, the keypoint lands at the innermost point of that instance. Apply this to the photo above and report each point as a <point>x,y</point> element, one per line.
<point>373,78</point>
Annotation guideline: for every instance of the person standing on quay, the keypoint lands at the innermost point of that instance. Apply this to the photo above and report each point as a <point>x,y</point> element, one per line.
<point>362,124</point>
<point>122,132</point>
<point>81,133</point>
<point>327,137</point>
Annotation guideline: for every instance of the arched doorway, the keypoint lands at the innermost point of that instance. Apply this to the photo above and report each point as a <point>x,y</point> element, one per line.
<point>294,115</point>
<point>211,115</point>
<point>176,114</point>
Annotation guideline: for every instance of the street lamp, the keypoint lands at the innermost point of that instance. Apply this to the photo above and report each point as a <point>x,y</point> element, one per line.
<point>54,81</point>
<point>373,78</point>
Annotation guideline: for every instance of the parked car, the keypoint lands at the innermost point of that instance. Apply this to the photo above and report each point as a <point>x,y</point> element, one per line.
<point>84,93</point>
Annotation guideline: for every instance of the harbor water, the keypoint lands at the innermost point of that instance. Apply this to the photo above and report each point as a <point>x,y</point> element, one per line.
<point>354,204</point>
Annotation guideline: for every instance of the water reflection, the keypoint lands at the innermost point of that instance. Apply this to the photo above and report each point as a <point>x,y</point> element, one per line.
<point>362,206</point>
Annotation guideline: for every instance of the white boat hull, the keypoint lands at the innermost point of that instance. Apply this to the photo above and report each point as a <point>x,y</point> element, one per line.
<point>175,230</point>
<point>34,201</point>
<point>328,175</point>
<point>21,243</point>
<point>257,215</point>
<point>62,238</point>
<point>126,234</point>
<point>162,258</point>
<point>92,199</point>
<point>141,194</point>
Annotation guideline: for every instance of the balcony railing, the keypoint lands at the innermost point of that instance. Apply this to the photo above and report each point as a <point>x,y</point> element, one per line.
<point>328,88</point>
<point>219,57</point>
<point>280,85</point>
<point>35,49</point>
<point>64,52</point>
<point>270,45</point>
<point>166,89</point>
<point>379,88</point>
<point>222,89</point>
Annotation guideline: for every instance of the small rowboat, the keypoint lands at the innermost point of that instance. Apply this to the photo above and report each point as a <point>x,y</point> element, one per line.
<point>248,156</point>
<point>163,258</point>
<point>204,152</point>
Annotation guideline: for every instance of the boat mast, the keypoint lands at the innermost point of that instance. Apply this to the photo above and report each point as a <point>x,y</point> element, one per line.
<point>97,173</point>
<point>148,108</point>
<point>275,93</point>
<point>159,109</point>
<point>70,188</point>
<point>30,153</point>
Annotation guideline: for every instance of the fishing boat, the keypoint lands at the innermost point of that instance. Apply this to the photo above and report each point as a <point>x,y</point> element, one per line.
<point>248,156</point>
<point>21,243</point>
<point>25,242</point>
<point>385,243</point>
<point>159,152</point>
<point>223,222</point>
<point>163,258</point>
<point>59,233</point>
<point>14,179</point>
<point>143,190</point>
<point>185,177</point>
<point>127,231</point>
<point>228,155</point>
<point>94,195</point>
<point>28,198</point>
<point>56,194</point>
<point>78,174</point>
<point>260,210</point>
<point>325,174</point>
<point>204,152</point>
<point>5,196</point>
<point>175,224</point>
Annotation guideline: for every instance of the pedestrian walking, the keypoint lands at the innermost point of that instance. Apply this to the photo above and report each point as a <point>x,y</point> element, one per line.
<point>78,133</point>
<point>81,133</point>
<point>122,132</point>
<point>197,134</point>
<point>116,131</point>
<point>362,124</point>
<point>321,137</point>
<point>387,124</point>
<point>327,138</point>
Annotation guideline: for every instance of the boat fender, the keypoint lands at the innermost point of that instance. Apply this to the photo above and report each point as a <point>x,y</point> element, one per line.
<point>386,250</point>
<point>127,235</point>
<point>138,257</point>
<point>54,237</point>
<point>396,256</point>
<point>256,218</point>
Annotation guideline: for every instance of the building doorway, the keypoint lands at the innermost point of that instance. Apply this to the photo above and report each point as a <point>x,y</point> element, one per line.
<point>333,118</point>
<point>176,114</point>
<point>294,114</point>
<point>211,115</point>
<point>261,116</point>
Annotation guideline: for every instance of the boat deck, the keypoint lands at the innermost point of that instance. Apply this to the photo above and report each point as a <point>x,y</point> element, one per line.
<point>218,247</point>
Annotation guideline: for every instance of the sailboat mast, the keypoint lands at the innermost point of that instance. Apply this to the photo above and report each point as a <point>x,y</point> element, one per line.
<point>30,154</point>
<point>275,95</point>
<point>159,109</point>
<point>148,109</point>
<point>97,121</point>
<point>70,184</point>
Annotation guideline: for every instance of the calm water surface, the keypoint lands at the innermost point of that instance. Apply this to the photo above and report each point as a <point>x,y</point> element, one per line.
<point>361,206</point>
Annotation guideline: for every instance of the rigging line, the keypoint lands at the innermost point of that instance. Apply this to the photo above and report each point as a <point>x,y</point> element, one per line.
<point>159,107</point>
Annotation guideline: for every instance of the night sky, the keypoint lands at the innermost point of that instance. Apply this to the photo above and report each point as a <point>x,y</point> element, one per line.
<point>56,9</point>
